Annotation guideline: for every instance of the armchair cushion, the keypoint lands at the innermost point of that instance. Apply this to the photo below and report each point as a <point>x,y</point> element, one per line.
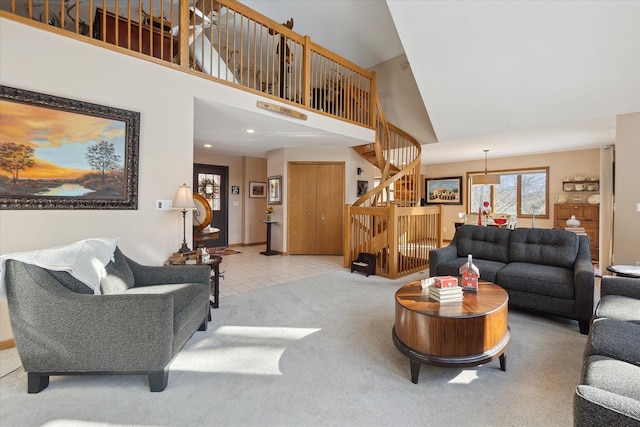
<point>611,338</point>
<point>619,307</point>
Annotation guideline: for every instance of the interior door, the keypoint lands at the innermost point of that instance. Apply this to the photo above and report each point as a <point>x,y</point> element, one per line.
<point>211,182</point>
<point>330,208</point>
<point>301,209</point>
<point>315,208</point>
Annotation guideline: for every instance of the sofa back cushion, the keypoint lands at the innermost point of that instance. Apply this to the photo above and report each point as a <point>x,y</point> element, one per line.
<point>119,275</point>
<point>490,243</point>
<point>544,246</point>
<point>68,281</point>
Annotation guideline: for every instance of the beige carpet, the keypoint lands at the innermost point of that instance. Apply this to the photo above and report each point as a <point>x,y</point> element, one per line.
<point>318,352</point>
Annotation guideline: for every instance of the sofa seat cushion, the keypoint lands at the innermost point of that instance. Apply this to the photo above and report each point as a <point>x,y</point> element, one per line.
<point>616,339</point>
<point>619,307</point>
<point>185,295</point>
<point>547,280</point>
<point>488,268</point>
<point>488,243</point>
<point>612,375</point>
<point>557,248</point>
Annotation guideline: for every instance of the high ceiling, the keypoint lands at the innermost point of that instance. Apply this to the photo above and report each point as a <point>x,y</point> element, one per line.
<point>512,77</point>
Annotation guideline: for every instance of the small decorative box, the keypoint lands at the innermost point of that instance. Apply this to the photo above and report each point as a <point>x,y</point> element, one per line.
<point>446,282</point>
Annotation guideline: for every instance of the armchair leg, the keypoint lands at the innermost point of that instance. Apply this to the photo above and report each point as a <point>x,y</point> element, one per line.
<point>205,323</point>
<point>584,326</point>
<point>36,382</point>
<point>158,380</point>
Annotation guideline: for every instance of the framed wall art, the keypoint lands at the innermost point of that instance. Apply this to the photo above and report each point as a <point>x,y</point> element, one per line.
<point>257,189</point>
<point>363,187</point>
<point>443,191</point>
<point>275,193</point>
<point>59,153</point>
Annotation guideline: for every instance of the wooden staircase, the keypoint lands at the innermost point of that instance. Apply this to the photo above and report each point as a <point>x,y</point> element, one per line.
<point>388,220</point>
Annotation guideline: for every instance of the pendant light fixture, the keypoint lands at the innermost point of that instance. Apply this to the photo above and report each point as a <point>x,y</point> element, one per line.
<point>486,179</point>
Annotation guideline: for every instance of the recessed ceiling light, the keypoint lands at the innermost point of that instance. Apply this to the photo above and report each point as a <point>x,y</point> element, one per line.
<point>207,145</point>
<point>251,131</point>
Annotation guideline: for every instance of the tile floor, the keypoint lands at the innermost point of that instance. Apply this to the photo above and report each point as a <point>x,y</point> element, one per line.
<point>243,272</point>
<point>249,270</point>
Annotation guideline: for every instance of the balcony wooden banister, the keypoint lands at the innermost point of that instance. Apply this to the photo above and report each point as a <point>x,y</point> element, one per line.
<point>234,43</point>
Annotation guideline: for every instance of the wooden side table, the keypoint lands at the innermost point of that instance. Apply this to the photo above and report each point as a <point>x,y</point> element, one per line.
<point>214,263</point>
<point>625,270</point>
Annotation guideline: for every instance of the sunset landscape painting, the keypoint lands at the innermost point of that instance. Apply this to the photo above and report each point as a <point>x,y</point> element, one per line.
<point>54,154</point>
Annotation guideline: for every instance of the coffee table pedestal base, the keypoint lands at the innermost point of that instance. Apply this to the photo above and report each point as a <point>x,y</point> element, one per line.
<point>416,359</point>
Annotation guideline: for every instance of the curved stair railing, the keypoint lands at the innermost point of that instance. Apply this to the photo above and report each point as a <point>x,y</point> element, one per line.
<point>388,220</point>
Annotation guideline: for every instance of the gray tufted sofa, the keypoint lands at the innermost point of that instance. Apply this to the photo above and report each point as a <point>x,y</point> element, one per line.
<point>545,270</point>
<point>142,319</point>
<point>609,391</point>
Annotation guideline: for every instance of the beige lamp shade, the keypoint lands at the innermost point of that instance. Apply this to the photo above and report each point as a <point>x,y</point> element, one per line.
<point>486,179</point>
<point>184,199</point>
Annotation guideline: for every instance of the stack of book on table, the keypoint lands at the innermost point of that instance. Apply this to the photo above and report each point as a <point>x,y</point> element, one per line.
<point>445,289</point>
<point>182,258</point>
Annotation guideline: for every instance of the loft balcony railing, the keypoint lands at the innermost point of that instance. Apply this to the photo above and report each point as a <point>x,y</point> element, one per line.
<point>219,39</point>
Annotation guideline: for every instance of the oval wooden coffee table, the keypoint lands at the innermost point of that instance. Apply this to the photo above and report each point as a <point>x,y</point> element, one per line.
<point>471,332</point>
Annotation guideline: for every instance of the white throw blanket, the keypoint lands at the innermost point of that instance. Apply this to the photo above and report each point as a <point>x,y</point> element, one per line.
<point>85,260</point>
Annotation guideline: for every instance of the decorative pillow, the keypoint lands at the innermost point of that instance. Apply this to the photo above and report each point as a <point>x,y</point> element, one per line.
<point>119,276</point>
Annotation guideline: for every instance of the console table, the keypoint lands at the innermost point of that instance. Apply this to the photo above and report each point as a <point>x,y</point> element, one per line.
<point>269,252</point>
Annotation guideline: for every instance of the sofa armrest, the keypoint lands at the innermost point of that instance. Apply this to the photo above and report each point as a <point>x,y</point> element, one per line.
<point>584,279</point>
<point>145,275</point>
<point>593,406</point>
<point>616,285</point>
<point>59,330</point>
<point>440,255</point>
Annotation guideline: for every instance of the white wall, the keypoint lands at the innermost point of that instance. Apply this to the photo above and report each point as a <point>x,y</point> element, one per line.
<point>626,240</point>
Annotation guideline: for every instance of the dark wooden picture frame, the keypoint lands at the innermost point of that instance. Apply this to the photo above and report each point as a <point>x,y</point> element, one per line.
<point>443,191</point>
<point>59,153</point>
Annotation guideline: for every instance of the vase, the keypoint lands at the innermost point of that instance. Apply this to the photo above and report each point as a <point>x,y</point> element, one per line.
<point>268,217</point>
<point>573,222</point>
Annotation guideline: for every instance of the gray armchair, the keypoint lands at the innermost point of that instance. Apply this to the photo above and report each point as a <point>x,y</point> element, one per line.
<point>142,319</point>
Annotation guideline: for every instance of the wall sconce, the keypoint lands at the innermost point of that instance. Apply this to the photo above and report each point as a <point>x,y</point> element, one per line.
<point>184,202</point>
<point>359,171</point>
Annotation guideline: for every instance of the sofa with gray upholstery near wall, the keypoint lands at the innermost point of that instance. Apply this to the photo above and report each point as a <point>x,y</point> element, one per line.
<point>545,270</point>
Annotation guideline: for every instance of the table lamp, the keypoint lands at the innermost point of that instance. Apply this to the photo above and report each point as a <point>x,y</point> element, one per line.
<point>184,202</point>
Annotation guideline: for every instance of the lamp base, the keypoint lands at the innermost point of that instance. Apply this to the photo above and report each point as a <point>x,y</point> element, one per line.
<point>184,248</point>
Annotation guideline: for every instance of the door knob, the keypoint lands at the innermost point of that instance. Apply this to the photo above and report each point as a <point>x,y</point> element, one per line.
<point>322,216</point>
<point>309,213</point>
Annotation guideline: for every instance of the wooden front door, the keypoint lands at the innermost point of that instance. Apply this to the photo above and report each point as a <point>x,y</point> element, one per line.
<point>315,208</point>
